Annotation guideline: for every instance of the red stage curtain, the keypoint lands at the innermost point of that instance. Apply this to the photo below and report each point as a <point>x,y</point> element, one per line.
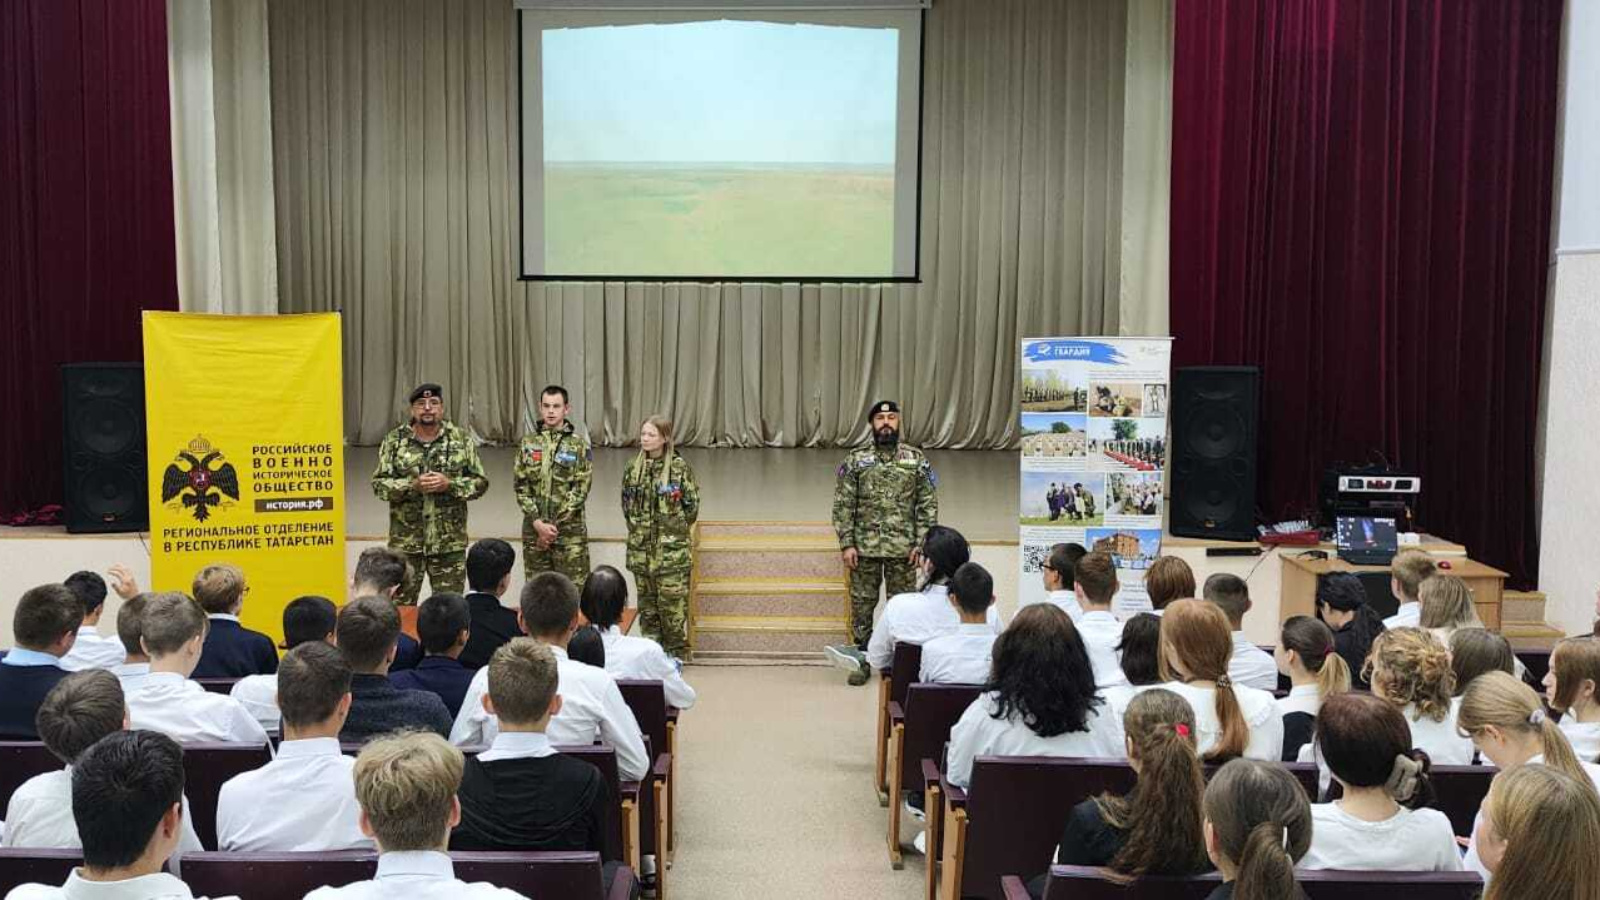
<point>1361,205</point>
<point>86,229</point>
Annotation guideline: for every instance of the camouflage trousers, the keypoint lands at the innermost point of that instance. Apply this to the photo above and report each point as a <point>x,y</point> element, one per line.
<point>896,572</point>
<point>664,609</point>
<point>569,556</point>
<point>447,573</point>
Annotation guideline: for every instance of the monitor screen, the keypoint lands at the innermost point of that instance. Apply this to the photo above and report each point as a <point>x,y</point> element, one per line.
<point>1365,533</point>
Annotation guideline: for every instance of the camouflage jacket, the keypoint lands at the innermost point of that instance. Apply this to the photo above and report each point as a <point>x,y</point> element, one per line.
<point>553,472</point>
<point>660,516</point>
<point>428,523</point>
<point>884,500</point>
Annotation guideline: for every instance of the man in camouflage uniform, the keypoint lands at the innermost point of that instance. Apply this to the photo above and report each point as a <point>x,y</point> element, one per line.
<point>427,471</point>
<point>885,500</point>
<point>553,472</point>
<point>660,502</point>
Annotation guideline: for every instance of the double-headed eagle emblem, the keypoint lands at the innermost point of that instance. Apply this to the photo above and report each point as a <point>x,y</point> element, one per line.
<point>200,486</point>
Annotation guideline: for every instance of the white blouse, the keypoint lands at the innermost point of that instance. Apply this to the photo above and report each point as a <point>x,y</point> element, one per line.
<point>979,733</point>
<point>1409,841</point>
<point>1260,713</point>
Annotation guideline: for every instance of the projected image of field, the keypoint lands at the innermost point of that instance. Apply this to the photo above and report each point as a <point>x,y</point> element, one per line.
<point>721,220</point>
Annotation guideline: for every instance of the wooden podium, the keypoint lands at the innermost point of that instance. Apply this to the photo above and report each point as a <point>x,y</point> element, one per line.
<point>1299,590</point>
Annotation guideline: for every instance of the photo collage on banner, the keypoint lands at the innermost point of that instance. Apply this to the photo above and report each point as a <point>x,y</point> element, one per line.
<point>1094,456</point>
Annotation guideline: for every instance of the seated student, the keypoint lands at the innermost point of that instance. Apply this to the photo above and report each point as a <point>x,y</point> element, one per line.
<point>1039,700</point>
<point>1233,720</point>
<point>489,563</point>
<point>45,626</point>
<point>305,620</point>
<point>127,800</point>
<point>1407,571</point>
<point>1382,822</point>
<point>90,650</point>
<point>85,707</point>
<point>1251,666</point>
<point>1094,583</point>
<point>920,617</point>
<point>304,799</point>
<point>380,572</point>
<point>1139,655</point>
<point>173,630</point>
<point>1446,607</point>
<point>1537,835</point>
<point>605,596</point>
<point>1056,570</point>
<point>1342,605</point>
<point>1572,684</point>
<point>592,708</point>
<point>136,666</point>
<point>1474,651</point>
<point>1168,578</point>
<point>443,623</point>
<point>1411,669</point>
<point>231,650</point>
<point>1305,653</point>
<point>406,785</point>
<point>368,633</point>
<point>966,656</point>
<point>1257,827</point>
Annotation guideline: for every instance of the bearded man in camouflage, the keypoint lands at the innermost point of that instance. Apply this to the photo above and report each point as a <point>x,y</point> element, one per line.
<point>884,501</point>
<point>427,471</point>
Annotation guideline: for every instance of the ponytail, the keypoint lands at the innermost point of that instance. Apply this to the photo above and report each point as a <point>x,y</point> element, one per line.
<point>1235,730</point>
<point>1312,640</point>
<point>1196,636</point>
<point>1162,814</point>
<point>1266,870</point>
<point>1261,822</point>
<point>1333,676</point>
<point>1411,780</point>
<point>1558,753</point>
<point>1502,700</point>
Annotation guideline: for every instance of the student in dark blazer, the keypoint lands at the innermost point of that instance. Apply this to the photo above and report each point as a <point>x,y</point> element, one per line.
<point>231,650</point>
<point>368,632</point>
<point>45,625</point>
<point>443,623</point>
<point>489,563</point>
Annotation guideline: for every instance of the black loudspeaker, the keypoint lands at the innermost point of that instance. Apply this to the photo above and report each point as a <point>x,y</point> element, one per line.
<point>1214,414</point>
<point>102,420</point>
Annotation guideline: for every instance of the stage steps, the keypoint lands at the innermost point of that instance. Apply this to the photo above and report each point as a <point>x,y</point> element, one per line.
<point>1522,621</point>
<point>767,591</point>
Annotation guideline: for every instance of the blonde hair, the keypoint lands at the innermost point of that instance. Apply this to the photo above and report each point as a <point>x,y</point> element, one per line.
<point>169,621</point>
<point>1198,634</point>
<point>663,427</point>
<point>1410,665</point>
<point>1312,640</point>
<point>1447,603</point>
<point>1410,568</point>
<point>1574,661</point>
<point>522,680</point>
<point>406,784</point>
<point>1498,699</point>
<point>1550,822</point>
<point>219,588</point>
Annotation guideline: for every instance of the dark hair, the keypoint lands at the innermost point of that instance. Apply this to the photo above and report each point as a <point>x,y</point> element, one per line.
<point>605,596</point>
<point>1041,673</point>
<point>1312,641</point>
<point>309,618</point>
<point>1096,574</point>
<point>1063,559</point>
<point>1161,815</point>
<point>488,561</point>
<point>549,604</point>
<point>1140,649</point>
<point>1366,742</point>
<point>440,620</point>
<point>551,389</point>
<point>1252,806</point>
<point>121,787</point>
<point>1475,651</point>
<point>1342,591</point>
<point>369,627</point>
<point>44,614</point>
<point>946,550</point>
<point>587,646</point>
<point>380,568</point>
<point>82,708</point>
<point>312,679</point>
<point>973,588</point>
<point>90,589</point>
<point>1230,593</point>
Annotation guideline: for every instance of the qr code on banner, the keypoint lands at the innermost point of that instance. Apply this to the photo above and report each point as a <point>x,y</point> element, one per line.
<point>1034,556</point>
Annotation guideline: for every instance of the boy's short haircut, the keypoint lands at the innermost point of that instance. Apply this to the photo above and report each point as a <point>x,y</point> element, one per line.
<point>488,561</point>
<point>309,618</point>
<point>44,614</point>
<point>170,620</point>
<point>312,679</point>
<point>90,588</point>
<point>1230,593</point>
<point>549,604</point>
<point>369,627</point>
<point>1063,560</point>
<point>406,784</point>
<point>1097,575</point>
<point>973,588</point>
<point>121,787</point>
<point>380,568</point>
<point>1169,578</point>
<point>440,620</point>
<point>81,709</point>
<point>523,680</point>
<point>1410,569</point>
<point>128,623</point>
<point>219,589</point>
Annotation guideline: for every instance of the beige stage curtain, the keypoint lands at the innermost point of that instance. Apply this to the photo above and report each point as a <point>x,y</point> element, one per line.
<point>394,150</point>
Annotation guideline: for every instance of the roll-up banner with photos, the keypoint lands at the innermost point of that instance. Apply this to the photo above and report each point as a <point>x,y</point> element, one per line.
<point>246,429</point>
<point>1094,454</point>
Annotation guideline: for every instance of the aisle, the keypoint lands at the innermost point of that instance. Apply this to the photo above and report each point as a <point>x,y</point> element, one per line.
<point>776,791</point>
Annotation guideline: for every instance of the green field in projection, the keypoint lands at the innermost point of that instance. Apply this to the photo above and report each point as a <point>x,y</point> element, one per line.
<point>719,221</point>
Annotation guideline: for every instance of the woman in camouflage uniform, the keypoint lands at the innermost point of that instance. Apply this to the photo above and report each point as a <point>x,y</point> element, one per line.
<point>660,502</point>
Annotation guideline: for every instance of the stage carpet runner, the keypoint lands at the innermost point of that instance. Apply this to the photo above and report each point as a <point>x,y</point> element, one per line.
<point>767,590</point>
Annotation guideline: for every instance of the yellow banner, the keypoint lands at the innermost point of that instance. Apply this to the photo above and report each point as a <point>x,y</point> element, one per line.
<point>245,419</point>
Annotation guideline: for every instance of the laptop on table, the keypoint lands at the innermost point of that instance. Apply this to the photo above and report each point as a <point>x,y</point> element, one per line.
<point>1366,540</point>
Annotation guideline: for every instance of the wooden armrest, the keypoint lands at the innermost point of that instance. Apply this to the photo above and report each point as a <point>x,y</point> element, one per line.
<point>623,884</point>
<point>896,713</point>
<point>1012,888</point>
<point>662,767</point>
<point>930,773</point>
<point>956,795</point>
<point>630,791</point>
<point>672,713</point>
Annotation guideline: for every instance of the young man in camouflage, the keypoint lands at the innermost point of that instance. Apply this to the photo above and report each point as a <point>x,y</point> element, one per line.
<point>553,472</point>
<point>885,500</point>
<point>427,471</point>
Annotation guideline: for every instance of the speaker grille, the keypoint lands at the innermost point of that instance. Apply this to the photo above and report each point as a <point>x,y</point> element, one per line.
<point>1213,466</point>
<point>103,433</point>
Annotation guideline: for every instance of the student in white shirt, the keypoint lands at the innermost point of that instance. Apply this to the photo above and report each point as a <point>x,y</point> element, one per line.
<point>1446,606</point>
<point>127,792</point>
<point>1411,669</point>
<point>919,618</point>
<point>136,667</point>
<point>1233,720</point>
<point>1042,702</point>
<point>305,619</point>
<point>592,707</point>
<point>1094,583</point>
<point>1316,671</point>
<point>1056,570</point>
<point>605,596</point>
<point>173,631</point>
<point>1169,578</point>
<point>965,656</point>
<point>1381,823</point>
<point>1476,651</point>
<point>1407,571</point>
<point>1571,685</point>
<point>1139,654</point>
<point>85,707</point>
<point>1251,666</point>
<point>1537,833</point>
<point>407,785</point>
<point>304,800</point>
<point>90,650</point>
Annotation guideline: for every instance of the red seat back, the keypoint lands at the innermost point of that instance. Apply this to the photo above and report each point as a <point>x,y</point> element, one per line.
<point>19,761</point>
<point>931,711</point>
<point>1086,883</point>
<point>904,670</point>
<point>290,876</point>
<point>604,758</point>
<point>648,701</point>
